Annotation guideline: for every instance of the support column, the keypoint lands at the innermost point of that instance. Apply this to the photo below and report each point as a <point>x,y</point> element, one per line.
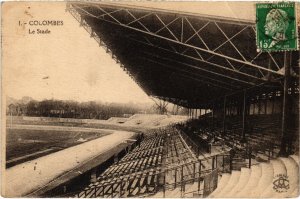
<point>244,118</point>
<point>285,103</point>
<point>259,105</point>
<point>213,114</point>
<point>193,115</point>
<point>273,101</point>
<point>266,103</point>
<point>224,114</point>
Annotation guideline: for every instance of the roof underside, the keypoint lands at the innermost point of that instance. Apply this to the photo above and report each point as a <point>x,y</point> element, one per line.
<point>188,60</point>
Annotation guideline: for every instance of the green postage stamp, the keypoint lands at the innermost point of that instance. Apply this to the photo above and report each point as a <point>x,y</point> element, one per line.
<point>276,26</point>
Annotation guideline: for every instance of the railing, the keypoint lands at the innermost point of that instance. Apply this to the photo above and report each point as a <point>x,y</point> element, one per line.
<point>157,180</point>
<point>223,163</point>
<point>153,179</point>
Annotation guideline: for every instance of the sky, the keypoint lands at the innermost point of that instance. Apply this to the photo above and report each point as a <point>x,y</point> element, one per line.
<point>66,64</point>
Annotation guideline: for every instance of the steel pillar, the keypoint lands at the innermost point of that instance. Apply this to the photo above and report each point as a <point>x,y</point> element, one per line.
<point>273,101</point>
<point>244,117</point>
<point>285,103</point>
<point>213,114</point>
<point>224,114</point>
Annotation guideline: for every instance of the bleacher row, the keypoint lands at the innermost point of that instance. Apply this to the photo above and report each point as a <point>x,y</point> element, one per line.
<point>262,143</point>
<point>136,173</point>
<point>161,165</point>
<point>141,154</point>
<point>179,154</point>
<point>183,170</point>
<point>168,163</point>
<point>262,137</point>
<point>180,166</point>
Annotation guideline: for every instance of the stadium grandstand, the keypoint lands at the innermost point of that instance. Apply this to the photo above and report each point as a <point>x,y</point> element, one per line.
<point>241,139</point>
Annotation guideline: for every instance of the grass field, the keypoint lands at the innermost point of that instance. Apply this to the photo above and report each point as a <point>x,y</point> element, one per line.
<point>28,144</point>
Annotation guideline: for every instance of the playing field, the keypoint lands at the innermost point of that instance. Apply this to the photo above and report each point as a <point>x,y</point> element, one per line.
<point>28,144</point>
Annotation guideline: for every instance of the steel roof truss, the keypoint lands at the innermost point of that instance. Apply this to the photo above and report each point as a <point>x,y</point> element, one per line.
<point>205,82</point>
<point>229,40</point>
<point>166,27</point>
<point>199,68</point>
<point>175,39</point>
<point>137,20</point>
<point>197,33</point>
<point>107,13</point>
<point>195,74</point>
<point>202,60</point>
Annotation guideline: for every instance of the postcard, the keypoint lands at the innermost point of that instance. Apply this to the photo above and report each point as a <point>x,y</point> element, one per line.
<point>155,99</point>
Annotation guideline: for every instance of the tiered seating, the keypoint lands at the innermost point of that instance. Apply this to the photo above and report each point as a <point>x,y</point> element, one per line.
<point>184,171</point>
<point>264,145</point>
<point>181,166</point>
<point>262,137</point>
<point>262,140</point>
<point>142,154</point>
<point>135,174</point>
<point>261,180</point>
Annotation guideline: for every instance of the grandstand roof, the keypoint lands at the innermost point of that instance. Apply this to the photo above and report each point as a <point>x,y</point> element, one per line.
<point>185,58</point>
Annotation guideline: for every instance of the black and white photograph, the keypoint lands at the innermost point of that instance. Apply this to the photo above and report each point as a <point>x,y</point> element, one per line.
<point>150,99</point>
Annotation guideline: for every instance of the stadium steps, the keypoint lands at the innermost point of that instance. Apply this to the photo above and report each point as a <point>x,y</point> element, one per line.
<point>279,169</point>
<point>221,184</point>
<point>293,175</point>
<point>234,178</point>
<point>243,180</point>
<point>255,175</point>
<point>260,178</point>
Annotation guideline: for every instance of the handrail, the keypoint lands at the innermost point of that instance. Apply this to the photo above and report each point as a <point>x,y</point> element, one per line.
<point>157,172</point>
<point>195,170</point>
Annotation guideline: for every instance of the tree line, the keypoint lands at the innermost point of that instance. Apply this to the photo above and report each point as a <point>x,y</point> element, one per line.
<point>73,109</point>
